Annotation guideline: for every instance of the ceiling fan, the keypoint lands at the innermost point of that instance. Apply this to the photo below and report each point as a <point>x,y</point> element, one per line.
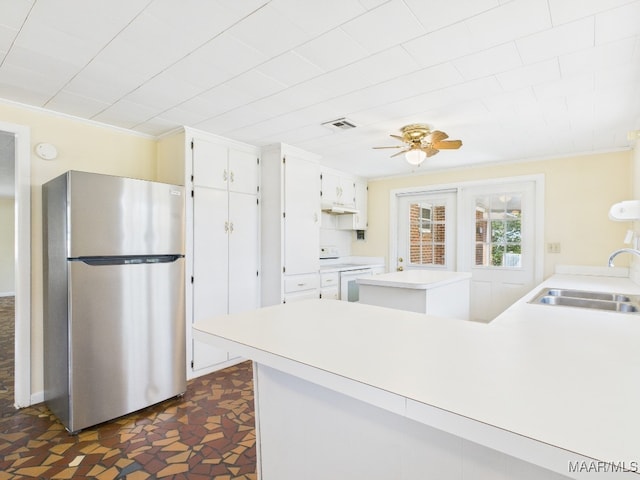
<point>421,142</point>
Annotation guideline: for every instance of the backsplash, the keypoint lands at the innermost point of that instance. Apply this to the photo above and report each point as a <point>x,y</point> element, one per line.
<point>329,235</point>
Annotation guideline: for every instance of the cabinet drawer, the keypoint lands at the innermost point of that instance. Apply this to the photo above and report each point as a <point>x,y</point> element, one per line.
<point>330,293</point>
<point>304,295</point>
<point>329,279</point>
<point>298,283</point>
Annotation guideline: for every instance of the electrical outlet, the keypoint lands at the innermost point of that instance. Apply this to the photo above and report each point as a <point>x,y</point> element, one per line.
<point>553,247</point>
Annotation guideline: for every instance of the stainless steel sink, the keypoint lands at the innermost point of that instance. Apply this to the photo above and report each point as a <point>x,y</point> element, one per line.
<point>612,297</point>
<point>613,302</point>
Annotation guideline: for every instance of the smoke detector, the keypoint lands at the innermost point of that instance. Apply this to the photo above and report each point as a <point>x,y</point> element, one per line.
<point>340,124</point>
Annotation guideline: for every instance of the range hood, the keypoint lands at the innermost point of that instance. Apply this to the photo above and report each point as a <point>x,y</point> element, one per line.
<point>337,209</point>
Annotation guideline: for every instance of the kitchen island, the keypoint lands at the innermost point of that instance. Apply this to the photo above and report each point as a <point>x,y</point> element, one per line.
<point>424,291</point>
<point>356,391</point>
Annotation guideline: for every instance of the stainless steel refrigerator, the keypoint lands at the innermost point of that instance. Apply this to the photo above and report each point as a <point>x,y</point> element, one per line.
<point>114,322</point>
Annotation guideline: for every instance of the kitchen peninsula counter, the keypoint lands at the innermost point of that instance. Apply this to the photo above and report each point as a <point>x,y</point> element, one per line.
<point>349,387</point>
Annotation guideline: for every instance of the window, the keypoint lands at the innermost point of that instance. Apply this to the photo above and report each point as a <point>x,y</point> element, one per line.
<point>425,219</point>
<point>498,231</point>
<point>427,233</point>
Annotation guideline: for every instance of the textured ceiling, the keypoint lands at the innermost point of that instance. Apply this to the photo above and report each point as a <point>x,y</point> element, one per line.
<point>512,79</point>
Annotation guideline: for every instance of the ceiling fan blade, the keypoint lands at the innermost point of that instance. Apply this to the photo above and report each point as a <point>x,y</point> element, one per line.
<point>396,146</point>
<point>438,136</point>
<point>430,151</point>
<point>448,144</point>
<point>400,153</point>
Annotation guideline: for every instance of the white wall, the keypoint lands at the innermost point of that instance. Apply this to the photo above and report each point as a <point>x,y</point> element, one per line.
<point>7,241</point>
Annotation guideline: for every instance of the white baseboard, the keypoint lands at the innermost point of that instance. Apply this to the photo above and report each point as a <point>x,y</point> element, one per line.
<point>37,397</point>
<point>219,366</point>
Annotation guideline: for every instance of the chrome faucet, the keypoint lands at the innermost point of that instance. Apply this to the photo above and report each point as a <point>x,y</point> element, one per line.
<point>622,250</point>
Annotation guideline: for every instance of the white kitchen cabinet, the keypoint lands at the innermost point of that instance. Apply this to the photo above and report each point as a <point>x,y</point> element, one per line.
<point>337,189</point>
<point>290,233</point>
<point>222,231</point>
<point>330,285</point>
<point>356,221</point>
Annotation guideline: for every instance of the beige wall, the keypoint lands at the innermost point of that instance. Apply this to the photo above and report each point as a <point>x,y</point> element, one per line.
<point>578,194</point>
<point>7,277</point>
<point>81,146</point>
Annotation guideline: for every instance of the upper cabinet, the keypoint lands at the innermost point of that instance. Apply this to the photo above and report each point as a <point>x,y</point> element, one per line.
<point>218,166</point>
<point>344,196</point>
<point>337,189</point>
<point>356,221</point>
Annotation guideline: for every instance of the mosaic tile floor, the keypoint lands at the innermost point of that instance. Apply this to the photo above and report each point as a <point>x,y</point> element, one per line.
<point>209,433</point>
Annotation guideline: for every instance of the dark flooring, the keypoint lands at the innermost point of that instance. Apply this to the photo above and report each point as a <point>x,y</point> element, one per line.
<point>209,433</point>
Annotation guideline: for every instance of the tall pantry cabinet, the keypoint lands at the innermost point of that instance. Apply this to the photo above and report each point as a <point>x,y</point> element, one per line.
<point>222,178</point>
<point>290,196</point>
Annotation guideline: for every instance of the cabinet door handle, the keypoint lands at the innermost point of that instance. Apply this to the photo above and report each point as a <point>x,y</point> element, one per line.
<point>301,284</point>
<point>230,227</point>
<point>231,176</point>
<point>226,227</point>
<point>225,175</point>
<point>329,280</point>
<point>315,217</point>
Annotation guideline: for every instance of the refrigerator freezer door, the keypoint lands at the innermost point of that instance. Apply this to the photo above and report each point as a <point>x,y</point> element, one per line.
<point>127,338</point>
<point>123,216</point>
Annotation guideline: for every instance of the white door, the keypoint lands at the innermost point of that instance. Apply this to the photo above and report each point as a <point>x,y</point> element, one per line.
<point>302,216</point>
<point>499,245</point>
<point>209,164</point>
<point>427,231</point>
<point>210,266</point>
<point>360,220</point>
<point>347,191</point>
<point>243,252</point>
<point>330,187</point>
<point>243,172</point>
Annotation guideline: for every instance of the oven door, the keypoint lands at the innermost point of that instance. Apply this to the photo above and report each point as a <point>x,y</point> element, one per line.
<point>349,288</point>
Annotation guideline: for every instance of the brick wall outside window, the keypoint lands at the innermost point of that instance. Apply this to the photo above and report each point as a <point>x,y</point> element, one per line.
<point>427,247</point>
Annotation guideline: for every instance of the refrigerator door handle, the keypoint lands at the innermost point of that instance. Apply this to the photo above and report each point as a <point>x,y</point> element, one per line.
<point>127,260</point>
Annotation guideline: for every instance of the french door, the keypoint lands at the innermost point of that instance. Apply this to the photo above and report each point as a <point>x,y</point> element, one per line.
<point>499,228</point>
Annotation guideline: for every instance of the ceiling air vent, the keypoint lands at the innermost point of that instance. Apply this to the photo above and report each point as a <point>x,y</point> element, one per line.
<point>340,124</point>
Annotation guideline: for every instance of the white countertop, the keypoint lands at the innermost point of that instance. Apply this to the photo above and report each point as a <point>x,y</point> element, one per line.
<point>415,279</point>
<point>563,376</point>
<point>345,267</point>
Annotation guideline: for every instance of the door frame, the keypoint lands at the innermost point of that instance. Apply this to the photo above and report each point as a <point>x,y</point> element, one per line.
<point>537,179</point>
<point>22,256</point>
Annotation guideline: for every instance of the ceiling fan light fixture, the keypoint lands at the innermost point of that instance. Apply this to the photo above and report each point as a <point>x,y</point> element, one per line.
<point>415,156</point>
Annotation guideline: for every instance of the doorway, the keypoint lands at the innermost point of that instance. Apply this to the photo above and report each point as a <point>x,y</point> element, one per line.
<point>15,172</point>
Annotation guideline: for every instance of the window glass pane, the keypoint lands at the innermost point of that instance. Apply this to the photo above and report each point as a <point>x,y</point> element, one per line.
<point>498,230</point>
<point>427,233</point>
